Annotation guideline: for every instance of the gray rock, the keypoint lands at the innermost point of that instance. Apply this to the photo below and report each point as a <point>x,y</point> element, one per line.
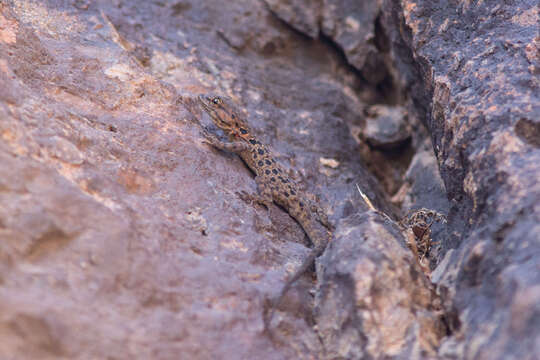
<point>424,188</point>
<point>373,299</point>
<point>386,127</point>
<point>471,74</point>
<point>303,15</point>
<point>350,25</point>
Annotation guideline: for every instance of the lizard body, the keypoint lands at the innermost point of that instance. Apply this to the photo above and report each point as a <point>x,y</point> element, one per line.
<point>272,182</point>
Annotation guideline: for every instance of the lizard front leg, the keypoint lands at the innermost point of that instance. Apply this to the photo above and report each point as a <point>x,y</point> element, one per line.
<point>234,147</point>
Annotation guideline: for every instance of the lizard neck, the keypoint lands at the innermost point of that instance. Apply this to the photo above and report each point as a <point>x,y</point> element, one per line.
<point>241,135</point>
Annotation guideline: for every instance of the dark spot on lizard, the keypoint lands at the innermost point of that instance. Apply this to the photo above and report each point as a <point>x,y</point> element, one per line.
<point>273,179</point>
<point>254,156</point>
<point>267,172</point>
<point>268,162</point>
<point>274,171</point>
<point>293,192</point>
<point>260,163</point>
<point>243,131</point>
<point>301,204</point>
<point>261,152</point>
<point>286,194</point>
<point>253,142</point>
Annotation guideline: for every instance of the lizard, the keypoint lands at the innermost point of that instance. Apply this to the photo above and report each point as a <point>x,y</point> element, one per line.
<point>272,183</point>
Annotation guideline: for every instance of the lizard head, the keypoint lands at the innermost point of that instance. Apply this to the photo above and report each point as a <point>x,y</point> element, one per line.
<point>224,114</point>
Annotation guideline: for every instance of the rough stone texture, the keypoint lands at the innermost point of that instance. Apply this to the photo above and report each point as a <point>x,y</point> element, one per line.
<point>386,127</point>
<point>303,15</point>
<point>367,266</point>
<point>121,233</point>
<point>472,70</point>
<point>349,24</point>
<point>423,188</point>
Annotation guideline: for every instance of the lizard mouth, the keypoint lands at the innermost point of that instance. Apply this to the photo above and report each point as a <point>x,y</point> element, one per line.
<point>205,101</point>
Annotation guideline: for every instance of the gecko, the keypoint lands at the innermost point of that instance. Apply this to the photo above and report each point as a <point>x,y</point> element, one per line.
<point>272,183</point>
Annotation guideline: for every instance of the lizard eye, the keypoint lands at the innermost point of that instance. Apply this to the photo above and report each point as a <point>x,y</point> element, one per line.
<point>216,100</point>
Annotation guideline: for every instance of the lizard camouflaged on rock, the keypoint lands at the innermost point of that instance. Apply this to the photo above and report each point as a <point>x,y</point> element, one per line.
<point>272,182</point>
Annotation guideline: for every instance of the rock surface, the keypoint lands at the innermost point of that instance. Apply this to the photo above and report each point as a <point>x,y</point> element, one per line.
<point>472,70</point>
<point>368,266</point>
<point>349,24</point>
<point>386,127</point>
<point>122,234</point>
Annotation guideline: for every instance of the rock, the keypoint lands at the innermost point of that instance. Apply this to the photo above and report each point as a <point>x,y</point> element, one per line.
<point>350,26</point>
<point>386,127</point>
<point>115,218</point>
<point>373,300</point>
<point>303,15</point>
<point>424,189</point>
<point>470,75</point>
